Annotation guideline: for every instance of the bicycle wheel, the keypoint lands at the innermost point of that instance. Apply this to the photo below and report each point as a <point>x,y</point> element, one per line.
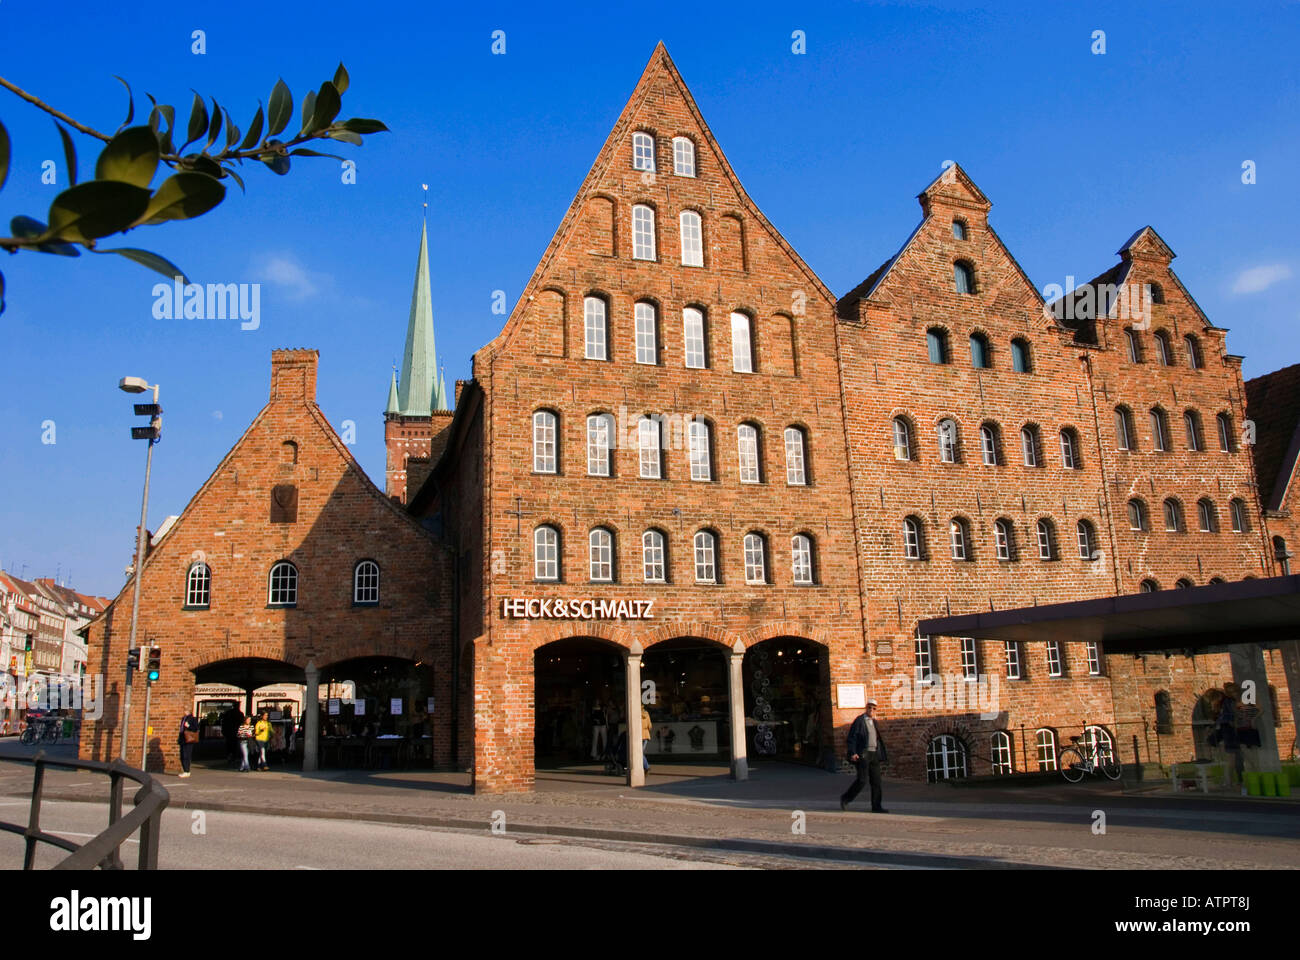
<point>28,737</point>
<point>1111,768</point>
<point>1072,765</point>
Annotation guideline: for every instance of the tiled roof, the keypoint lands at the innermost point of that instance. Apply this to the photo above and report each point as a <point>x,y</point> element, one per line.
<point>1273,403</point>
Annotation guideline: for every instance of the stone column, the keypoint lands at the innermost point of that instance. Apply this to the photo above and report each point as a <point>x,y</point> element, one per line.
<point>736,700</point>
<point>311,729</point>
<point>635,768</point>
<point>1247,661</point>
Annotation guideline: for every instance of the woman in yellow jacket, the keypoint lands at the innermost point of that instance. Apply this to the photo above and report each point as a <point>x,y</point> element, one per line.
<point>262,739</point>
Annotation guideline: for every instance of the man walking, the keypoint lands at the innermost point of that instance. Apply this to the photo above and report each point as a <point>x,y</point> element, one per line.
<point>866,749</point>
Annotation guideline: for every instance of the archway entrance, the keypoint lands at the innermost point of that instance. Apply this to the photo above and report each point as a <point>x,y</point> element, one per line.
<point>579,695</point>
<point>689,702</point>
<point>227,691</point>
<point>375,712</point>
<point>787,682</point>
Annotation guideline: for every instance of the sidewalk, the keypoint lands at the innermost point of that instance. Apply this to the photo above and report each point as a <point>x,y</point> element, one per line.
<point>928,824</point>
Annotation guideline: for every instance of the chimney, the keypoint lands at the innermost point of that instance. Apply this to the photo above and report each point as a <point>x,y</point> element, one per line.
<point>293,375</point>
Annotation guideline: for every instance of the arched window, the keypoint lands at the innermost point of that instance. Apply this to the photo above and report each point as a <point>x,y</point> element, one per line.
<point>647,333</point>
<point>649,448</point>
<point>1099,742</point>
<point>963,276</point>
<point>683,157</point>
<point>601,543</point>
<point>902,439</point>
<point>1183,584</point>
<point>945,758</point>
<point>1149,586</point>
<point>936,341</point>
<point>1004,539</point>
<point>1137,514</point>
<point>1282,555</point>
<point>692,239</point>
<point>700,450</point>
<point>1087,540</point>
<point>643,232</point>
<point>1217,580</point>
<point>1156,294</point>
<point>959,535</point>
<point>1193,352</point>
<point>979,351</point>
<point>1173,516</point>
<point>694,340</point>
<point>1046,540</point>
<point>755,548</point>
<point>654,562</point>
<point>282,585</point>
<point>1159,429</point>
<point>706,548</point>
<point>596,325</point>
<point>1163,350</point>
<point>1021,360</point>
<point>1195,438</point>
<point>990,444</point>
<point>747,452</point>
<point>948,452</point>
<point>1125,434</point>
<point>796,472</point>
<point>913,539</point>
<point>959,229</point>
<point>365,583</point>
<point>742,344</point>
<point>1238,510</point>
<point>546,553</point>
<point>1000,753</point>
<point>643,151</point>
<point>1070,449</point>
<point>1134,345</point>
<point>198,586</point>
<point>1227,435</point>
<point>801,559</point>
<point>1030,446</point>
<point>1045,743</point>
<point>600,432</point>
<point>1208,516</point>
<point>544,442</point>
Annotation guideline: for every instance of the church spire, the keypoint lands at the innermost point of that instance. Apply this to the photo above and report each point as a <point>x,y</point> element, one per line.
<point>392,395</point>
<point>417,387</point>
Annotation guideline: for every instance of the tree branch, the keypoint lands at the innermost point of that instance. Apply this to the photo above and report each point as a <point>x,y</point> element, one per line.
<point>55,113</point>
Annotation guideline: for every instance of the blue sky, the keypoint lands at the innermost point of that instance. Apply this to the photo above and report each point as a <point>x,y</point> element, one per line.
<point>1075,150</point>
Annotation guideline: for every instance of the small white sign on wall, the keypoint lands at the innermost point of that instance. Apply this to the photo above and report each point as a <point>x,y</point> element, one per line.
<point>850,696</point>
<point>334,706</point>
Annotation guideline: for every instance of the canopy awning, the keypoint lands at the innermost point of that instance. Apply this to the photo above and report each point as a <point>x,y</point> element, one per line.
<point>1200,619</point>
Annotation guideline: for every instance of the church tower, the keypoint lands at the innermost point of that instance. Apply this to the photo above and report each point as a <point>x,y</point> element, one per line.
<point>417,413</point>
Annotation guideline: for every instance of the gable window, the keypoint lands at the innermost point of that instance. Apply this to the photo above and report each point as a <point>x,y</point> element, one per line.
<point>282,586</point>
<point>643,232</point>
<point>365,583</point>
<point>747,449</point>
<point>1208,515</point>
<point>979,351</point>
<point>649,449</point>
<point>1137,514</point>
<point>683,157</point>
<point>1163,350</point>
<point>1012,650</point>
<point>1173,516</point>
<point>602,555</point>
<point>705,551</point>
<point>1159,429</point>
<point>1087,541</point>
<point>1055,665</point>
<point>1046,540</point>
<point>652,556</point>
<point>546,553</point>
<point>643,151</point>
<point>1134,345</point>
<point>959,535</point>
<point>198,586</point>
<point>1004,540</point>
<point>948,441</point>
<point>795,474</point>
<point>970,667</point>
<point>1238,510</point>
<point>693,328</point>
<point>963,276</point>
<point>989,446</point>
<point>913,544</point>
<point>936,342</point>
<point>742,348</point>
<point>801,559</point>
<point>755,558</point>
<point>1029,445</point>
<point>1070,449</point>
<point>544,442</point>
<point>1193,352</point>
<point>692,239</point>
<point>1154,293</point>
<point>1192,423</point>
<point>701,457</point>
<point>597,329</point>
<point>1226,435</point>
<point>647,339</point>
<point>1020,358</point>
<point>902,439</point>
<point>959,229</point>
<point>1125,434</point>
<point>600,428</point>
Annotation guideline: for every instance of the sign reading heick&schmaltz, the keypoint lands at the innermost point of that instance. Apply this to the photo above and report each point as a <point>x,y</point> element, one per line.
<point>535,608</point>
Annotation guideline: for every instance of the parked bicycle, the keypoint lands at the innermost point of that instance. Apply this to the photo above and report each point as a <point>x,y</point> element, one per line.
<point>1086,756</point>
<point>43,730</point>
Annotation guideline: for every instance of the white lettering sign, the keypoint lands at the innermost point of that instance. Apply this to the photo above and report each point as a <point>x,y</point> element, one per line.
<point>550,608</point>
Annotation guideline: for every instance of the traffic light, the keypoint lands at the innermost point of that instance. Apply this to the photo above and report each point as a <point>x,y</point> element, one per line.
<point>152,432</point>
<point>132,660</point>
<point>154,667</point>
<point>27,644</point>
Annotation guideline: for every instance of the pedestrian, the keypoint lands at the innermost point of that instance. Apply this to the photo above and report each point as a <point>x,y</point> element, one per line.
<point>262,739</point>
<point>231,721</point>
<point>245,735</point>
<point>186,739</point>
<point>866,749</point>
<point>645,737</point>
<point>599,731</point>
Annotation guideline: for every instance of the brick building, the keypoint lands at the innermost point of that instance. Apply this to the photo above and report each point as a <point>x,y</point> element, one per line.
<point>287,565</point>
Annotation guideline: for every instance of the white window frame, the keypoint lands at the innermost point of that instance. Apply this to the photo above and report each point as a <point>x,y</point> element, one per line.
<point>643,232</point>
<point>970,660</point>
<point>700,455</point>
<point>1094,658</point>
<point>1224,423</point>
<point>1207,515</point>
<point>902,439</point>
<point>683,157</point>
<point>742,343</point>
<point>1098,742</point>
<point>957,538</point>
<point>643,151</point>
<point>1159,429</point>
<point>1136,506</point>
<point>693,338</point>
<point>654,567</point>
<point>1012,654</point>
<point>1237,508</point>
<point>596,328</point>
<point>1046,749</point>
<point>796,474</point>
<point>945,758</point>
<point>600,431</point>
<point>1046,541</point>
<point>1055,659</point>
<point>988,445</point>
<point>947,440</point>
<point>546,553</point>
<point>1069,456</point>
<point>692,234</point>
<point>747,453</point>
<point>1029,446</point>
<point>282,581</point>
<point>1124,428</point>
<point>647,333</point>
<point>365,583</point>
<point>1134,349</point>
<point>600,554</point>
<point>1002,539</point>
<point>923,661</point>
<point>1000,753</point>
<point>1173,515</point>
<point>1164,350</point>
<point>911,539</point>
<point>1086,538</point>
<point>545,437</point>
<point>755,549</point>
<point>706,549</point>
<point>1192,425</point>
<point>801,559</point>
<point>198,585</point>
<point>650,448</point>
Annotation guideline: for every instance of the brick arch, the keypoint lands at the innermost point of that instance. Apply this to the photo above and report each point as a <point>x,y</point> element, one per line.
<point>612,634</point>
<point>775,630</point>
<point>698,629</point>
<point>956,728</point>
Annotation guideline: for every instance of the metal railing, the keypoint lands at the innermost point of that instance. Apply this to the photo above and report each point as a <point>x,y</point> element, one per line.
<point>103,850</point>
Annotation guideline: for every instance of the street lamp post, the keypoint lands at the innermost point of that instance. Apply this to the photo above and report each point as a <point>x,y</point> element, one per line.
<point>151,434</point>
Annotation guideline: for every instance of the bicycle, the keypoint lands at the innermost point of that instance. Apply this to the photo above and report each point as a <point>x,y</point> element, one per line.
<point>1084,757</point>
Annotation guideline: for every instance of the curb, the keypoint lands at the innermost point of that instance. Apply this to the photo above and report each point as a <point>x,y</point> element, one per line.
<point>738,844</point>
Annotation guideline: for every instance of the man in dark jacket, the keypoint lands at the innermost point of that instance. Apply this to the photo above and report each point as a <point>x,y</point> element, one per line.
<point>866,749</point>
<point>231,721</point>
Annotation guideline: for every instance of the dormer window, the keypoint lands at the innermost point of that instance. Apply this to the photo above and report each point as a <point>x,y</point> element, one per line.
<point>643,152</point>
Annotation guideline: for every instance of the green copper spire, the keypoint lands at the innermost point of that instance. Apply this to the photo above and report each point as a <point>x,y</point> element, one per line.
<point>392,395</point>
<point>440,398</point>
<point>418,387</point>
